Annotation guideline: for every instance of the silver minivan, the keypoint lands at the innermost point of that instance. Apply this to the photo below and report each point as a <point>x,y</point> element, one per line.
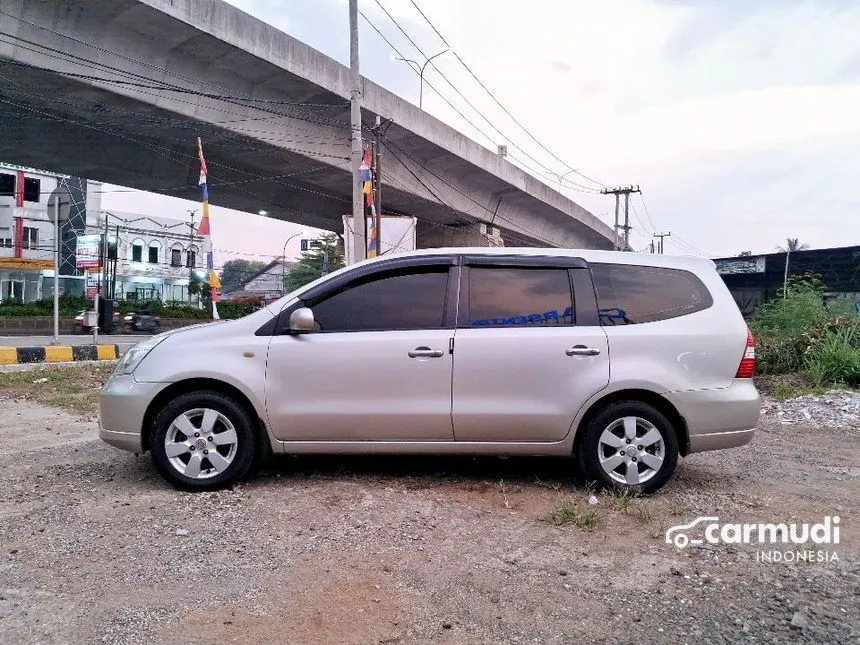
<point>625,361</point>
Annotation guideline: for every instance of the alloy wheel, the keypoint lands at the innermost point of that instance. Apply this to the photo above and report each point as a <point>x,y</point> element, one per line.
<point>631,450</point>
<point>201,443</point>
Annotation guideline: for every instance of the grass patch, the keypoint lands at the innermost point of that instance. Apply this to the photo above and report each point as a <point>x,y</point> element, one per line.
<point>566,512</point>
<point>644,513</point>
<point>622,499</point>
<point>788,386</point>
<point>75,388</point>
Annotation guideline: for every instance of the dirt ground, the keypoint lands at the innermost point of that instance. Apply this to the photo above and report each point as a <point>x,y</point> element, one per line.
<point>96,548</point>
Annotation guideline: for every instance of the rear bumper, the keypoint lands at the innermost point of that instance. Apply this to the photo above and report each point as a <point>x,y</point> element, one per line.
<point>719,418</point>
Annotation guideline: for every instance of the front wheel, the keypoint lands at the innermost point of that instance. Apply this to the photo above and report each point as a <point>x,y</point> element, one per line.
<point>628,445</point>
<point>202,441</point>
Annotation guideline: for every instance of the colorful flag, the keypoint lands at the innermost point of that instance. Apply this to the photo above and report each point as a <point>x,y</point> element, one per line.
<point>204,230</point>
<point>369,206</point>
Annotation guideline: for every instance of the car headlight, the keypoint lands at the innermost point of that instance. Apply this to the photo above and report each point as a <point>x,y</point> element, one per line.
<point>133,357</point>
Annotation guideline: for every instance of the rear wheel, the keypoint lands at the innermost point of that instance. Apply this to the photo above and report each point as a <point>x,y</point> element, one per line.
<point>629,445</point>
<point>202,441</point>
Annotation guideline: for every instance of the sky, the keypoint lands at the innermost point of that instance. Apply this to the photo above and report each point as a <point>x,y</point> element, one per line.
<point>738,119</point>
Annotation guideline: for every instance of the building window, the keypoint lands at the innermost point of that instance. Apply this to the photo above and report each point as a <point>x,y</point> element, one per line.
<point>153,254</point>
<point>137,252</point>
<point>31,238</point>
<point>32,188</point>
<point>192,259</point>
<point>176,258</point>
<point>6,242</point>
<point>7,185</point>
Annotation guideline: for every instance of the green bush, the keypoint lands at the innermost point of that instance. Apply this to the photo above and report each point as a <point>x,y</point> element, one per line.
<point>778,353</point>
<point>231,310</point>
<point>790,316</point>
<point>835,358</point>
<point>68,305</point>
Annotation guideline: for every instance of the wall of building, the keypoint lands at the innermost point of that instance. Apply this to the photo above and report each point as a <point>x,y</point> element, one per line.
<point>753,280</point>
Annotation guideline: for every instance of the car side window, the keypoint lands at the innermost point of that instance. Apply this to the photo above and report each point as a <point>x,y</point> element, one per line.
<point>402,300</point>
<point>518,297</point>
<point>628,294</point>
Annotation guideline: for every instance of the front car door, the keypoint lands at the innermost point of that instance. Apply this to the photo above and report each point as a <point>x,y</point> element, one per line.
<point>378,368</point>
<point>529,349</point>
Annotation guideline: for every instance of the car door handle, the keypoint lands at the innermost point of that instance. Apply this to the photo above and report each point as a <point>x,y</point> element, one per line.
<point>425,352</point>
<point>582,350</point>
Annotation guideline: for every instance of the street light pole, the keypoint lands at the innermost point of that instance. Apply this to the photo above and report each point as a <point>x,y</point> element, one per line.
<point>284,261</point>
<point>421,69</point>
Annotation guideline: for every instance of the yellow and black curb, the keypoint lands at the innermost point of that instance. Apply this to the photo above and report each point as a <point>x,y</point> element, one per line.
<point>58,354</point>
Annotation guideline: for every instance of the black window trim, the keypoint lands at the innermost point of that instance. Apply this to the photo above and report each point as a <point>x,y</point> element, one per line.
<point>279,325</point>
<point>321,291</point>
<point>548,261</point>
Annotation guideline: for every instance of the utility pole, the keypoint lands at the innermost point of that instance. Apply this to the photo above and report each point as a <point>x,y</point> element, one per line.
<point>358,223</point>
<point>625,190</point>
<point>660,244</point>
<point>377,176</point>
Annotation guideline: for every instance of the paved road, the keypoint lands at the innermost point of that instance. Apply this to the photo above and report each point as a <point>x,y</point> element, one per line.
<point>79,339</point>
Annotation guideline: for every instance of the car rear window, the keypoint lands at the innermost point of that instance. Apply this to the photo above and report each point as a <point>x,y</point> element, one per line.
<point>629,294</point>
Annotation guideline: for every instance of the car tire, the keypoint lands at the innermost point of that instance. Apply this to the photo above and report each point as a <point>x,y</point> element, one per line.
<point>203,441</point>
<point>607,454</point>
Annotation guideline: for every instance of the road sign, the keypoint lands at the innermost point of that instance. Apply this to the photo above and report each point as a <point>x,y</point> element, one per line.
<point>92,284</point>
<point>87,251</point>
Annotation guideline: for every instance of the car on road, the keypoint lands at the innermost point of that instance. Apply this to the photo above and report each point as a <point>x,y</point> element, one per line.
<point>623,361</point>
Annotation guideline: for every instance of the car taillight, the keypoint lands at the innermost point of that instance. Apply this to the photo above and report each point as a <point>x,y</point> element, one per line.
<point>747,367</point>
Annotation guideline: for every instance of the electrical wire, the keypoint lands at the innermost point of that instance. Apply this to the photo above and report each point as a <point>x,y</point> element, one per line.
<point>535,173</point>
<point>466,100</point>
<point>504,109</point>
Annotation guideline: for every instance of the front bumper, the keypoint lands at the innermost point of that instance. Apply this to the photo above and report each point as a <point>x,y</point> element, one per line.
<point>122,405</point>
<point>719,418</point>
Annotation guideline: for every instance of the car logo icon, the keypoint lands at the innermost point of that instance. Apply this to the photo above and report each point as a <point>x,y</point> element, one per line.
<point>677,535</point>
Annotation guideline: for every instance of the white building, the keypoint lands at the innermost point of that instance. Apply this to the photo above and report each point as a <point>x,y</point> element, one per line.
<point>155,255</point>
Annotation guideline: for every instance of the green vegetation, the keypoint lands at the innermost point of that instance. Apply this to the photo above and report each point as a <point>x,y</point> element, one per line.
<point>309,267</point>
<point>799,334</point>
<point>622,499</point>
<point>235,273</point>
<point>566,512</point>
<point>72,305</point>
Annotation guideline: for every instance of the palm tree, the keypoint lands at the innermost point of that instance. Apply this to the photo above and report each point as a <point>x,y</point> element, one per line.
<point>792,244</point>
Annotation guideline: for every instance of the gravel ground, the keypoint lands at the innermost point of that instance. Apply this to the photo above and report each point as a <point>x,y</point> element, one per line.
<point>96,548</point>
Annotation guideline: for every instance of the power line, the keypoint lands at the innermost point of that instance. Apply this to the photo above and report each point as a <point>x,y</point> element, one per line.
<point>504,109</point>
<point>462,96</point>
<point>572,186</point>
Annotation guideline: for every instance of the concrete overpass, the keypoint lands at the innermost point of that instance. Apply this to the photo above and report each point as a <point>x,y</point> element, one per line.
<point>118,91</point>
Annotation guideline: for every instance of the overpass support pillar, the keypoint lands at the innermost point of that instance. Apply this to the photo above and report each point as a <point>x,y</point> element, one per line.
<point>430,235</point>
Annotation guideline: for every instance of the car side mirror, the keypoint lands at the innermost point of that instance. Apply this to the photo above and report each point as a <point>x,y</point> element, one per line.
<point>302,320</point>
